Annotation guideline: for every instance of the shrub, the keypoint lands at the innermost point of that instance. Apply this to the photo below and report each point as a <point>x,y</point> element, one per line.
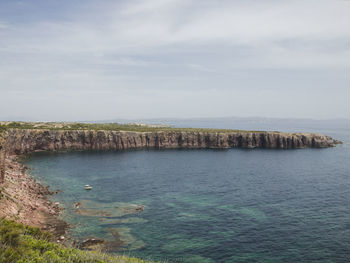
<point>25,244</point>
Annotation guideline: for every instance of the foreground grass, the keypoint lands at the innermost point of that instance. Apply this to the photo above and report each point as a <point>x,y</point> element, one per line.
<point>104,126</point>
<point>25,244</point>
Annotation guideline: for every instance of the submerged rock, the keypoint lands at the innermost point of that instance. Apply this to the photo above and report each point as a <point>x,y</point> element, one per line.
<point>115,209</point>
<point>91,243</point>
<point>76,205</point>
<point>130,220</point>
<point>123,240</point>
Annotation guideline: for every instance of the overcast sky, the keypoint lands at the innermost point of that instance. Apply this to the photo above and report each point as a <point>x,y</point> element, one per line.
<point>109,59</point>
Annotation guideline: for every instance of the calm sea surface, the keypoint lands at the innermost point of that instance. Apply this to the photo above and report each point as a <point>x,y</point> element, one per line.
<point>231,205</point>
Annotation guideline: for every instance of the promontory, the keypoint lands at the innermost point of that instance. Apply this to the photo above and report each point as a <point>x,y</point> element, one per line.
<point>22,138</point>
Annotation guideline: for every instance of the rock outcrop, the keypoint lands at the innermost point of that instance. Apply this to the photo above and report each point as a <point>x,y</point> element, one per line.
<point>22,141</point>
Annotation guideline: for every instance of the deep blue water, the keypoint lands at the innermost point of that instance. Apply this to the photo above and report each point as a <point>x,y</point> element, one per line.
<point>209,205</point>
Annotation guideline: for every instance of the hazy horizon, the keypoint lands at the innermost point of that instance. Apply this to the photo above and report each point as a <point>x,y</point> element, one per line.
<point>237,118</point>
<point>105,60</point>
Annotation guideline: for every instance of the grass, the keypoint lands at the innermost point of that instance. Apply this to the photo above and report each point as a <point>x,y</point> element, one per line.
<point>25,244</point>
<point>107,127</point>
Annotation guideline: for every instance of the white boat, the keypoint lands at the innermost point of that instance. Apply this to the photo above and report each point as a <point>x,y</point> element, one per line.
<point>88,187</point>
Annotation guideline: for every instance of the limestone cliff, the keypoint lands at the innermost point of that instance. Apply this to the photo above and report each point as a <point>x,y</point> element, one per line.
<point>21,141</point>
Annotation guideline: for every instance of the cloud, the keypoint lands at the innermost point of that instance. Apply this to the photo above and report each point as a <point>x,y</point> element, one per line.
<point>3,26</point>
<point>175,45</point>
<point>140,27</point>
<point>158,27</point>
<point>200,68</point>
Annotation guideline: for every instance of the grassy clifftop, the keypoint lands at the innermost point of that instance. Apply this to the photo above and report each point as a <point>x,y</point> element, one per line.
<point>25,244</point>
<point>104,126</point>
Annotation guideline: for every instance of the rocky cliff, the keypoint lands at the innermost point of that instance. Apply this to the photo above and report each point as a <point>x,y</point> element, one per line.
<point>2,166</point>
<point>21,141</point>
<point>2,159</point>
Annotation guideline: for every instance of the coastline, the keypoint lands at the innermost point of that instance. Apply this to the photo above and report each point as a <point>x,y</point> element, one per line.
<point>25,200</point>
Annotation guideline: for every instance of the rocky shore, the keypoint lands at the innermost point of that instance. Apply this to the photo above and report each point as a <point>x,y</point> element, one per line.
<point>25,200</point>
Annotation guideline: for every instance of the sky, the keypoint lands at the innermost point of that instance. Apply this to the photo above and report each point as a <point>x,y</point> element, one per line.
<point>111,59</point>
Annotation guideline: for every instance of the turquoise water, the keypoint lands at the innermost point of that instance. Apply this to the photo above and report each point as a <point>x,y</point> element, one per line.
<point>208,205</point>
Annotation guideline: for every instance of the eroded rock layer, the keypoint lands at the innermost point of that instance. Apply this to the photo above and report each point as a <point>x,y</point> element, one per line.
<point>21,141</point>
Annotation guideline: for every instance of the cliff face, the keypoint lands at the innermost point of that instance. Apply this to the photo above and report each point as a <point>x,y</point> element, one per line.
<point>21,141</point>
<point>2,166</point>
<point>2,159</point>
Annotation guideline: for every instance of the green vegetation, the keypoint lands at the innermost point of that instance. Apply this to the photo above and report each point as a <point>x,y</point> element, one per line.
<point>104,126</point>
<point>2,129</point>
<point>25,244</point>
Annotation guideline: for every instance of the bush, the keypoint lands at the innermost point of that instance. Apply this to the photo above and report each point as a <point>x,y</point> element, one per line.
<point>25,244</point>
<point>9,233</point>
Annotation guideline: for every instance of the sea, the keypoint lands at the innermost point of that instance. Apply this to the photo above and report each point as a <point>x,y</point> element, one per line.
<point>210,205</point>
